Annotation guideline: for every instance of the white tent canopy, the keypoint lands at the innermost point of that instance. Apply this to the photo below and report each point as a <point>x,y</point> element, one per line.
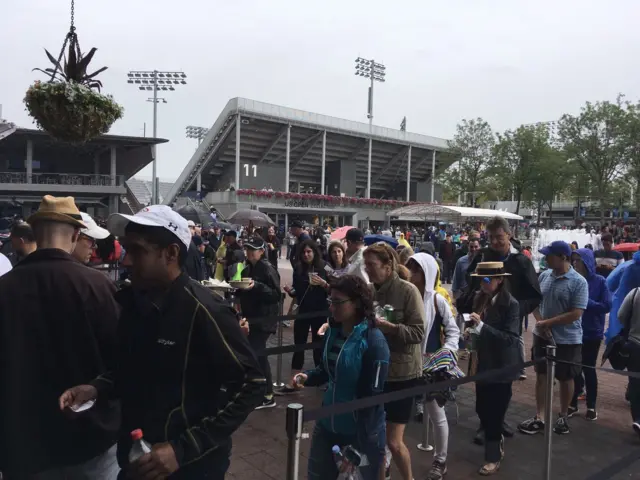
<point>425,212</point>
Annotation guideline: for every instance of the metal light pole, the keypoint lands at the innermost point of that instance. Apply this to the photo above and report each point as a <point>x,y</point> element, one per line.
<point>198,133</point>
<point>376,73</point>
<point>153,81</point>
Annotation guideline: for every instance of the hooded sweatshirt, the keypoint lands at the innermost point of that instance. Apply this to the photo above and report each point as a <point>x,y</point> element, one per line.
<point>431,298</point>
<point>599,303</point>
<point>621,281</point>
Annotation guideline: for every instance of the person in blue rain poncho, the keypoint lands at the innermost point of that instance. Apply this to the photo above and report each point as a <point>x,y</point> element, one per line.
<point>621,281</point>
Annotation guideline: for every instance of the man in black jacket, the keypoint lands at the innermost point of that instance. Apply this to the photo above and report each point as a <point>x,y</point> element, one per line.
<point>58,320</point>
<point>260,300</point>
<point>179,348</point>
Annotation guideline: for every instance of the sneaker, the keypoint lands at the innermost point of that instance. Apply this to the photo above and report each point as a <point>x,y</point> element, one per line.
<point>562,425</point>
<point>438,471</point>
<point>286,390</point>
<point>419,412</point>
<point>532,426</point>
<point>591,414</point>
<point>571,411</point>
<point>636,427</point>
<point>266,403</point>
<point>523,376</point>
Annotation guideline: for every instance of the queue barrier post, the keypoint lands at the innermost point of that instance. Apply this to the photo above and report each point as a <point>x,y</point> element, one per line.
<point>548,413</point>
<point>294,434</point>
<point>426,423</point>
<point>278,383</point>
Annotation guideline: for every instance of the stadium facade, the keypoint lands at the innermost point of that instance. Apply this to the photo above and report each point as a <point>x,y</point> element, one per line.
<point>290,163</point>
<point>33,164</point>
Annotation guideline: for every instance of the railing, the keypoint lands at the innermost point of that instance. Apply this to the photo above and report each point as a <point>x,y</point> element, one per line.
<point>96,180</point>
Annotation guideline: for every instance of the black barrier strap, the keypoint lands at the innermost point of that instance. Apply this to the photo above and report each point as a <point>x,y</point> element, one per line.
<point>624,373</point>
<point>282,318</point>
<point>347,407</point>
<point>289,349</point>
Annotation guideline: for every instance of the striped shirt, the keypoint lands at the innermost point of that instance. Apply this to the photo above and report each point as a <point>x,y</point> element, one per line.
<point>560,294</point>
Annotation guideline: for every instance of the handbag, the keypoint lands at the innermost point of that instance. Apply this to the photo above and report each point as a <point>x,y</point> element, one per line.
<point>617,351</point>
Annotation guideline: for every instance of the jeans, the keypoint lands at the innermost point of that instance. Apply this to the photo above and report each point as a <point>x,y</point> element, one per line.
<point>634,383</point>
<point>438,418</point>
<point>289,248</point>
<point>588,378</point>
<point>103,467</point>
<point>492,402</point>
<point>300,334</point>
<point>447,273</point>
<point>322,466</point>
<point>258,341</point>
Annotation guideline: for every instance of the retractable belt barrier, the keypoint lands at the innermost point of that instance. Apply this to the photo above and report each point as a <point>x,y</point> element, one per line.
<point>282,318</point>
<point>297,416</point>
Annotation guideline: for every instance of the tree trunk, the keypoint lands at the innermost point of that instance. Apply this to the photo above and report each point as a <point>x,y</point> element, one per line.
<point>518,198</point>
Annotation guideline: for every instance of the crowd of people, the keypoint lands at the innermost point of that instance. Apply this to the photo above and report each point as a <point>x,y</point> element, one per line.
<point>86,361</point>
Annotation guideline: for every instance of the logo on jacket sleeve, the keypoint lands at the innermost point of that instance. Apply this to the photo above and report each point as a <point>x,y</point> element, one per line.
<point>166,343</point>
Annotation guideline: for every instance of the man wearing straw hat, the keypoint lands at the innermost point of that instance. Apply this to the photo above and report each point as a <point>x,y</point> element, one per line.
<point>58,323</point>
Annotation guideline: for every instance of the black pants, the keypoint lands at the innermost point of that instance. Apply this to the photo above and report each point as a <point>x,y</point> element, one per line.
<point>300,333</point>
<point>492,402</point>
<point>258,341</point>
<point>588,378</point>
<point>447,274</point>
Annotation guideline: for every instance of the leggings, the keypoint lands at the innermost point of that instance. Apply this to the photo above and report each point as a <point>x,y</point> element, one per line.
<point>492,401</point>
<point>588,378</point>
<point>300,334</point>
<point>258,342</point>
<point>438,418</point>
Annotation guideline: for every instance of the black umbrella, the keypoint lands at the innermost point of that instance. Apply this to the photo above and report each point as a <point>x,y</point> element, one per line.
<point>196,215</point>
<point>246,216</point>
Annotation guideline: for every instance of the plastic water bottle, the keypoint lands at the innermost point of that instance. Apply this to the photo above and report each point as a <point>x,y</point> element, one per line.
<point>139,447</point>
<point>350,458</point>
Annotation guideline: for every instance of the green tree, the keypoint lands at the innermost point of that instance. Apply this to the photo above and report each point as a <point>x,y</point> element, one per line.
<point>548,180</point>
<point>593,139</point>
<point>516,159</point>
<point>472,146</point>
<point>631,157</point>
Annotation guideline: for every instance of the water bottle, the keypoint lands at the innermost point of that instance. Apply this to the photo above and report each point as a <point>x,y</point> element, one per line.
<point>351,459</point>
<point>139,447</point>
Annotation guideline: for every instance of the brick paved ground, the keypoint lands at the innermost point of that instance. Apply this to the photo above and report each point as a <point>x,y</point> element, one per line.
<point>605,449</point>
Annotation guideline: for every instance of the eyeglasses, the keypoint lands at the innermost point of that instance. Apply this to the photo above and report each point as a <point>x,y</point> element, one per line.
<point>337,303</point>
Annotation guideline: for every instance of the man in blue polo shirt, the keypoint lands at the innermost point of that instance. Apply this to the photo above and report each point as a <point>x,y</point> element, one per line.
<point>565,294</point>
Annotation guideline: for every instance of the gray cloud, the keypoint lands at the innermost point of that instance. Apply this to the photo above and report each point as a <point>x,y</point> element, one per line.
<point>510,62</point>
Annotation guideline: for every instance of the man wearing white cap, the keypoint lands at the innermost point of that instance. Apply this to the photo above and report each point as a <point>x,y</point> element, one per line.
<point>182,346</point>
<point>87,238</point>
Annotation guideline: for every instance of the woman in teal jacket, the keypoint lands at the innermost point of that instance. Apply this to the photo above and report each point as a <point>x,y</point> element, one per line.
<point>354,363</point>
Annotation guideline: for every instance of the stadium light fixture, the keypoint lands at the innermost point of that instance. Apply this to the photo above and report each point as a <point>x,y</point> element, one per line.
<point>154,81</point>
<point>196,132</point>
<point>375,72</point>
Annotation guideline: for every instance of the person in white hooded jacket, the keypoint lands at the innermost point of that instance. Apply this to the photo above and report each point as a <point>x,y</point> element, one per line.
<point>439,319</point>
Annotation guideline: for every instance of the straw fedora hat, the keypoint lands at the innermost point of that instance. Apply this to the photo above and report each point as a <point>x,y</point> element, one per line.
<point>490,269</point>
<point>58,209</point>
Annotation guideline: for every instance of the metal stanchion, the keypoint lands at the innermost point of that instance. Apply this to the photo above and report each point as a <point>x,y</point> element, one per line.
<point>278,383</point>
<point>294,434</point>
<point>426,423</point>
<point>548,413</point>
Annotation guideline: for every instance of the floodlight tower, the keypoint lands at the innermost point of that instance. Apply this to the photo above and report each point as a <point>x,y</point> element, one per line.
<point>198,133</point>
<point>155,80</point>
<point>376,73</point>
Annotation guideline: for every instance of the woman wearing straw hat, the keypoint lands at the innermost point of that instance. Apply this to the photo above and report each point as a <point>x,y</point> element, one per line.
<point>496,322</point>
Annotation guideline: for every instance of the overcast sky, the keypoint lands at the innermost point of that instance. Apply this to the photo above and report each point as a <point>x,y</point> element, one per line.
<point>508,61</point>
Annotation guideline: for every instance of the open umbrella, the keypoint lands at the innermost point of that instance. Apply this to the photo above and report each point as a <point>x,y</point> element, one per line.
<point>246,216</point>
<point>371,239</point>
<point>199,216</point>
<point>340,233</point>
<point>626,247</point>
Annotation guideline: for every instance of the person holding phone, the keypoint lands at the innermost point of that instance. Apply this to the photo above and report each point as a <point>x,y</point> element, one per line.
<point>496,322</point>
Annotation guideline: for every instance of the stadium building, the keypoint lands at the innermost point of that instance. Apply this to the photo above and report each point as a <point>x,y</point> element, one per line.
<point>33,164</point>
<point>290,164</point>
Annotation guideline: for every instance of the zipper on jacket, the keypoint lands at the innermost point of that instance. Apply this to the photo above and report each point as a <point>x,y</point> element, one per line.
<point>376,383</point>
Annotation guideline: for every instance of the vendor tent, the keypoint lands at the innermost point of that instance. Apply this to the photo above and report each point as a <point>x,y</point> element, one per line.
<point>427,212</point>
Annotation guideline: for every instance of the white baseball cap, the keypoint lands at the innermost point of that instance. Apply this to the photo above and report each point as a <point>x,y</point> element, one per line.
<point>93,230</point>
<point>191,223</point>
<point>152,216</point>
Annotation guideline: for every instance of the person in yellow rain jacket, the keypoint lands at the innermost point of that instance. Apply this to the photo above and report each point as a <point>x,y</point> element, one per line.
<point>220,254</point>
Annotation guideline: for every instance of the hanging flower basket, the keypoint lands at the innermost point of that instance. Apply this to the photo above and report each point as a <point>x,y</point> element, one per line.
<point>71,112</point>
<point>70,106</point>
